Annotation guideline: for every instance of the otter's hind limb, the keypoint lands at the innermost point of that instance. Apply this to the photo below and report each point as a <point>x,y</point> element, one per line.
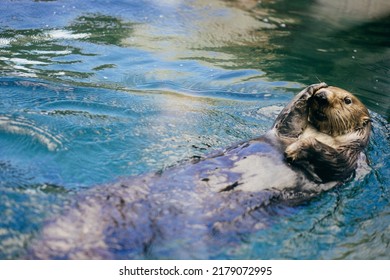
<point>322,162</point>
<point>293,119</point>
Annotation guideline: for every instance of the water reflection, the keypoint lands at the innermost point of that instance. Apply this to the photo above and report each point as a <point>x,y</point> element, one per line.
<point>174,44</point>
<point>340,42</point>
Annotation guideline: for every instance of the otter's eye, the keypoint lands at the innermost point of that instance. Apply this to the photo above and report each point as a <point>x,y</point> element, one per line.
<point>347,100</point>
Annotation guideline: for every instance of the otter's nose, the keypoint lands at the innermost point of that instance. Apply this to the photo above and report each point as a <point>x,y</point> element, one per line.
<point>321,97</point>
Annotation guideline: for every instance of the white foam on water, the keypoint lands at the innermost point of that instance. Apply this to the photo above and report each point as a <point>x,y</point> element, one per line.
<point>4,42</point>
<point>65,34</point>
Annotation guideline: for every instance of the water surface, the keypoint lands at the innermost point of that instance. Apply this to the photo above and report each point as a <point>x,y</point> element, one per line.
<point>95,90</point>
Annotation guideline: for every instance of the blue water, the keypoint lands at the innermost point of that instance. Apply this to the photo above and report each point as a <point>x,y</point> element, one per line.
<point>96,90</point>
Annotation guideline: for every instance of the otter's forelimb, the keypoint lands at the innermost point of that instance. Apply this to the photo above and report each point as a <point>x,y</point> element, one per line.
<point>322,162</point>
<point>293,119</point>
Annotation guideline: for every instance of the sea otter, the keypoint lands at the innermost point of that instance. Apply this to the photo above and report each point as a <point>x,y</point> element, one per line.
<point>314,144</point>
<point>337,131</point>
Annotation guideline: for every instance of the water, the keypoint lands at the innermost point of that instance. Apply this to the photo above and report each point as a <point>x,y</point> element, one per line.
<point>96,90</point>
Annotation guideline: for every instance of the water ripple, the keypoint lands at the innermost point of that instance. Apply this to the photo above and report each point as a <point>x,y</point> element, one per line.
<point>23,126</point>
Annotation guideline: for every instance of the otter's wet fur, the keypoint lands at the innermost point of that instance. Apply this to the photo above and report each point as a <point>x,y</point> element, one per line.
<point>184,208</point>
<point>338,130</point>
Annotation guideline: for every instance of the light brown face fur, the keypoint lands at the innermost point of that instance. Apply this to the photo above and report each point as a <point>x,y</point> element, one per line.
<point>336,112</point>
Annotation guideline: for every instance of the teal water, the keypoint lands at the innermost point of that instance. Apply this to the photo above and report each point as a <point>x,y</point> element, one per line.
<point>96,90</point>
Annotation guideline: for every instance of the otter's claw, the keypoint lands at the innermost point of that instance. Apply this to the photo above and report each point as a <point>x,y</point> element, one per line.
<point>298,150</point>
<point>310,90</point>
<point>292,152</point>
<point>314,87</point>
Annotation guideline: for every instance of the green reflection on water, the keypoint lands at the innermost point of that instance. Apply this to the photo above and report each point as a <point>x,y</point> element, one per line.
<point>308,43</point>
<point>102,29</point>
<point>295,41</point>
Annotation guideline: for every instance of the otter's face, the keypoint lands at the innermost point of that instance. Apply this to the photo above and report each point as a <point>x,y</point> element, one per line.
<point>335,111</point>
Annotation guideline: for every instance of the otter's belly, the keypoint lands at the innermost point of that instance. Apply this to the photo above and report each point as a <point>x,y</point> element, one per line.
<point>252,166</point>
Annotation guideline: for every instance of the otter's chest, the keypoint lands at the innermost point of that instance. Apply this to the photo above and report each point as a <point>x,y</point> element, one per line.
<point>312,132</point>
<point>253,166</point>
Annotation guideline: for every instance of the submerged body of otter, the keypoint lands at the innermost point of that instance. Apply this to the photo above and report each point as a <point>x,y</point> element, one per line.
<point>215,194</point>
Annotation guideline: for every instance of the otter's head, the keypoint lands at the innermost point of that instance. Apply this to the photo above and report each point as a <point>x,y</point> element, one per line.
<point>335,111</point>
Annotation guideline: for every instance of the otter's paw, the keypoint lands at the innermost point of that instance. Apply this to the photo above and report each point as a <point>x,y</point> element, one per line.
<point>315,87</point>
<point>299,149</point>
<point>292,152</point>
